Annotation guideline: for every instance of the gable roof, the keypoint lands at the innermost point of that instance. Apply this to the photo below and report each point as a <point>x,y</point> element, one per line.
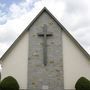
<point>61,26</point>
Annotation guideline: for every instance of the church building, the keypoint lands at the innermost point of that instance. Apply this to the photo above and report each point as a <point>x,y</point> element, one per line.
<point>46,56</point>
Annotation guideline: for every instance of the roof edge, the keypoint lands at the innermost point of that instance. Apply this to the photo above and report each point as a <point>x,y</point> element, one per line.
<point>32,22</point>
<point>69,34</point>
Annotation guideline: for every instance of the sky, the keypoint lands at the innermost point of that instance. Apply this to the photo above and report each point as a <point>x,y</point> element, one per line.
<point>15,15</point>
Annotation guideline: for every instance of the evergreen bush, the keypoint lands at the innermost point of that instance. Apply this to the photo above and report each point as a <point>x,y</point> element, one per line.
<point>82,84</point>
<point>9,83</point>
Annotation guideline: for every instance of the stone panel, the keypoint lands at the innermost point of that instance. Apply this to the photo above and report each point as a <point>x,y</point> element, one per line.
<point>49,77</point>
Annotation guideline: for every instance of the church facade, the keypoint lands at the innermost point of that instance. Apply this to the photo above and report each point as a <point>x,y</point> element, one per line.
<point>46,56</point>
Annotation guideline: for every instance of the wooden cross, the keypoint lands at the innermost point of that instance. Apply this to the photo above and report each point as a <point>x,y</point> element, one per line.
<point>44,34</point>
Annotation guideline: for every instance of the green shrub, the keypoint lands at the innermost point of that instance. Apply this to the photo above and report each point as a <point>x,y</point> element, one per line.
<point>9,83</point>
<point>82,84</point>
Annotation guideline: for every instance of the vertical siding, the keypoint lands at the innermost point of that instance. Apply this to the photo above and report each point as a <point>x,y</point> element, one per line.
<point>16,62</point>
<point>76,63</point>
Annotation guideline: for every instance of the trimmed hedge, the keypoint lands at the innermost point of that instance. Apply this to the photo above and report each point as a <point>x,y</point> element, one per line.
<point>82,84</point>
<point>9,83</point>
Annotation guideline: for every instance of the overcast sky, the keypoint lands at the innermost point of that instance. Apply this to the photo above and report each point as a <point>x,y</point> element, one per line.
<point>15,15</point>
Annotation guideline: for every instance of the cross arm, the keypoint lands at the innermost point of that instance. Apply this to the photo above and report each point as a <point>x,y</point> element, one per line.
<point>41,34</point>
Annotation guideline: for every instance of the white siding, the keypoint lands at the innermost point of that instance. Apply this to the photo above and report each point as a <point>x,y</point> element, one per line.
<point>75,63</point>
<point>15,64</point>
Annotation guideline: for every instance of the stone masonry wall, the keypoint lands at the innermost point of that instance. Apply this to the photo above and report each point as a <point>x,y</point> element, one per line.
<point>48,77</point>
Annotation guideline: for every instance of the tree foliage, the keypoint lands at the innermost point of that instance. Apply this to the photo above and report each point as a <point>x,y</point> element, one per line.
<point>82,84</point>
<point>9,83</point>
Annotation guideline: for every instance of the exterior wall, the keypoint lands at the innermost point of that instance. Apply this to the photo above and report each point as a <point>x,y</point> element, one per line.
<point>48,77</point>
<point>16,62</point>
<point>76,63</point>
